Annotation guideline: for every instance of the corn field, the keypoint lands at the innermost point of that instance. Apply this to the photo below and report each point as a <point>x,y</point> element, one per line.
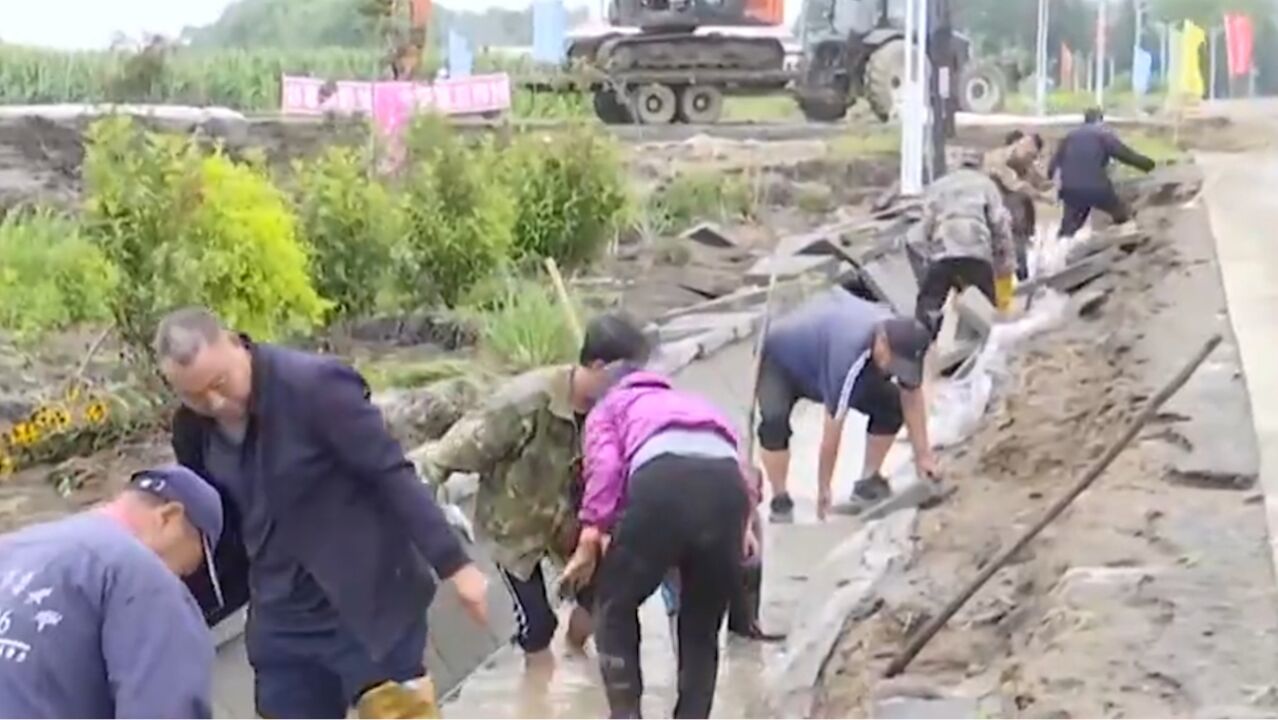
<point>245,80</point>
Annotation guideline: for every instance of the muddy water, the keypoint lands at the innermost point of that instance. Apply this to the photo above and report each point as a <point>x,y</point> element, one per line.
<point>502,688</point>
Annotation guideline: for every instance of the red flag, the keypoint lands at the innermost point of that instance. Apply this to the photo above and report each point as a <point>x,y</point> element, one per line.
<point>1240,43</point>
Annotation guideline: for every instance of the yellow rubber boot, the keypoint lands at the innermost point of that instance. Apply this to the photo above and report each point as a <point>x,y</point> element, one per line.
<point>1004,289</point>
<point>399,700</point>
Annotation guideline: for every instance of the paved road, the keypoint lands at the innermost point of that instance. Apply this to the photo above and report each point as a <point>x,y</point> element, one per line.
<point>1239,190</point>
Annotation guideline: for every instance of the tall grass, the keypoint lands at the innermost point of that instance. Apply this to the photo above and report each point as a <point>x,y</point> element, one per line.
<point>246,80</point>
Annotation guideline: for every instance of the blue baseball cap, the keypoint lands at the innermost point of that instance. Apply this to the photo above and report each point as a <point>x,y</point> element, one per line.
<point>199,500</point>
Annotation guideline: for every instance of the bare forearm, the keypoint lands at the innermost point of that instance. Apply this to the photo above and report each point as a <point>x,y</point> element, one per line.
<point>914,407</point>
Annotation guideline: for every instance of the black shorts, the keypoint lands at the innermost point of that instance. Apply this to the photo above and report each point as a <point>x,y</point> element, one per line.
<point>535,617</point>
<point>873,394</point>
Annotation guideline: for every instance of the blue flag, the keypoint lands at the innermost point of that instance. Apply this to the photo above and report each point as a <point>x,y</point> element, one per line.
<point>461,61</point>
<point>550,37</point>
<point>1142,71</point>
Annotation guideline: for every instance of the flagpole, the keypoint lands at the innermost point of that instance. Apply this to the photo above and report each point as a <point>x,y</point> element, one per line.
<point>1100,54</point>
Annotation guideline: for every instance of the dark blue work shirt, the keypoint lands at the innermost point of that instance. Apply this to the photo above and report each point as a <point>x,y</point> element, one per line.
<point>93,625</point>
<point>283,593</point>
<point>825,344</point>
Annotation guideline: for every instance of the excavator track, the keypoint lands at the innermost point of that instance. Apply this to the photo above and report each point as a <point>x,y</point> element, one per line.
<point>686,51</point>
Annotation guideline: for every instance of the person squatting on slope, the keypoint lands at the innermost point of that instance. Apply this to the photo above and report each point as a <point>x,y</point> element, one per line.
<point>330,534</point>
<point>94,620</point>
<point>1014,168</point>
<point>966,240</point>
<point>1083,159</point>
<point>524,443</point>
<point>665,488</point>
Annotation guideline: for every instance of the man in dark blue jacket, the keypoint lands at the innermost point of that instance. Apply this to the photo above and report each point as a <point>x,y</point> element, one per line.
<point>330,535</point>
<point>1082,159</point>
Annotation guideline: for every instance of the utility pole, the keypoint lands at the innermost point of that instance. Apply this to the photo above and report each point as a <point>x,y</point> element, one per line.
<point>1040,58</point>
<point>943,82</point>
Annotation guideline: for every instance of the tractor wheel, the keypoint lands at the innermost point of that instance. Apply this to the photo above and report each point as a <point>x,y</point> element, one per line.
<point>700,104</point>
<point>655,104</point>
<point>884,77</point>
<point>982,88</point>
<point>610,109</point>
<point>823,110</point>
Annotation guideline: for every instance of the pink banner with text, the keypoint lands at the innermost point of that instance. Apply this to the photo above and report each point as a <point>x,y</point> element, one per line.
<point>473,95</point>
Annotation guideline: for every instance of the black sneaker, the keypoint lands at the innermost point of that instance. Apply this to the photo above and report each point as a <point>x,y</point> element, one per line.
<point>782,509</point>
<point>865,493</point>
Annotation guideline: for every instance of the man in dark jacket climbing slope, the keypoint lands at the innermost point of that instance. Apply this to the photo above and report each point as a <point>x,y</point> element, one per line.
<point>1082,159</point>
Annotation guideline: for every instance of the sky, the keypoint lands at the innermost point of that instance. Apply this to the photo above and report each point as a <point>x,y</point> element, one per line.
<point>93,23</point>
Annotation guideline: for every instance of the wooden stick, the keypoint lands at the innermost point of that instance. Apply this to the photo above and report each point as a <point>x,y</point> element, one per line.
<point>564,299</point>
<point>901,661</point>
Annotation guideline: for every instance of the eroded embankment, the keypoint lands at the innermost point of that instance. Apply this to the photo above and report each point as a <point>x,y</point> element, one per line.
<point>1154,594</point>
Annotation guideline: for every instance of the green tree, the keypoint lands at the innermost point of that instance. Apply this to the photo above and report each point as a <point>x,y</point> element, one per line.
<point>1208,13</point>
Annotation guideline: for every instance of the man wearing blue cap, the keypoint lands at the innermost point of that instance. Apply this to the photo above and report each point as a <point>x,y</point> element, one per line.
<point>94,621</point>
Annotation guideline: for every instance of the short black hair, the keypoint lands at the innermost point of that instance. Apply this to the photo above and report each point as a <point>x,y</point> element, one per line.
<point>1013,137</point>
<point>1093,115</point>
<point>1038,141</point>
<point>614,337</point>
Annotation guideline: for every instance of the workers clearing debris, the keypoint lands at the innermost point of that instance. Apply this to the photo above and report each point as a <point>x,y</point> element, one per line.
<point>966,240</point>
<point>847,354</point>
<point>524,444</point>
<point>1014,168</point>
<point>1082,159</point>
<point>94,621</point>
<point>327,523</point>
<point>664,488</point>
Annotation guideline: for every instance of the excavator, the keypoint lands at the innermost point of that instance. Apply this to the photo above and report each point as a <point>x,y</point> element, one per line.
<point>405,24</point>
<point>667,61</point>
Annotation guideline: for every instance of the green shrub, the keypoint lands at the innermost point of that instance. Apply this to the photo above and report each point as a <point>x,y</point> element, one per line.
<point>528,328</point>
<point>699,195</point>
<point>350,223</point>
<point>183,227</point>
<point>50,275</point>
<point>569,193</point>
<point>458,217</point>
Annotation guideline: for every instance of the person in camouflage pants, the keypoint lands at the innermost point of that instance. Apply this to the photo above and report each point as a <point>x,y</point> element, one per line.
<point>524,443</point>
<point>966,240</point>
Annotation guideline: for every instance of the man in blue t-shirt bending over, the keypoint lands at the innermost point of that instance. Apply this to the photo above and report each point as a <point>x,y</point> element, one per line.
<point>845,353</point>
<point>94,622</point>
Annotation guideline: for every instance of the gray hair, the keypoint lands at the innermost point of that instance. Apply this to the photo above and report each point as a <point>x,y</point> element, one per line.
<point>183,333</point>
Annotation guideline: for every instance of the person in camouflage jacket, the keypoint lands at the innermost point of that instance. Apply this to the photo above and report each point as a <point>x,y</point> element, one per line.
<point>966,239</point>
<point>1014,167</point>
<point>524,443</point>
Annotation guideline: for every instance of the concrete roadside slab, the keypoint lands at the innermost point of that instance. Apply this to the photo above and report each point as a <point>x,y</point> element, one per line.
<point>1239,195</point>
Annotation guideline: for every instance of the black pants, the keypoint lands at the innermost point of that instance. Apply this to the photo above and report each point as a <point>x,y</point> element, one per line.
<point>873,395</point>
<point>682,512</point>
<point>1079,204</point>
<point>956,273</point>
<point>535,618</point>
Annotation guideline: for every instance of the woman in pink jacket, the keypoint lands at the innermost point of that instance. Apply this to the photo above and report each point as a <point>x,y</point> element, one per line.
<point>664,489</point>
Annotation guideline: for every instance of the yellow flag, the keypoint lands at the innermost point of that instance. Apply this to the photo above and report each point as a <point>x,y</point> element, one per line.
<point>1190,81</point>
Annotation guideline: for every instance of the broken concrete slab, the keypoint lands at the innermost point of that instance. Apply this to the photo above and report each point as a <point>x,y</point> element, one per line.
<point>710,234</point>
<point>843,589</point>
<point>790,266</point>
<point>891,278</point>
<point>690,325</point>
<point>908,707</point>
<point>1126,241</point>
<point>1213,451</point>
<point>1074,276</point>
